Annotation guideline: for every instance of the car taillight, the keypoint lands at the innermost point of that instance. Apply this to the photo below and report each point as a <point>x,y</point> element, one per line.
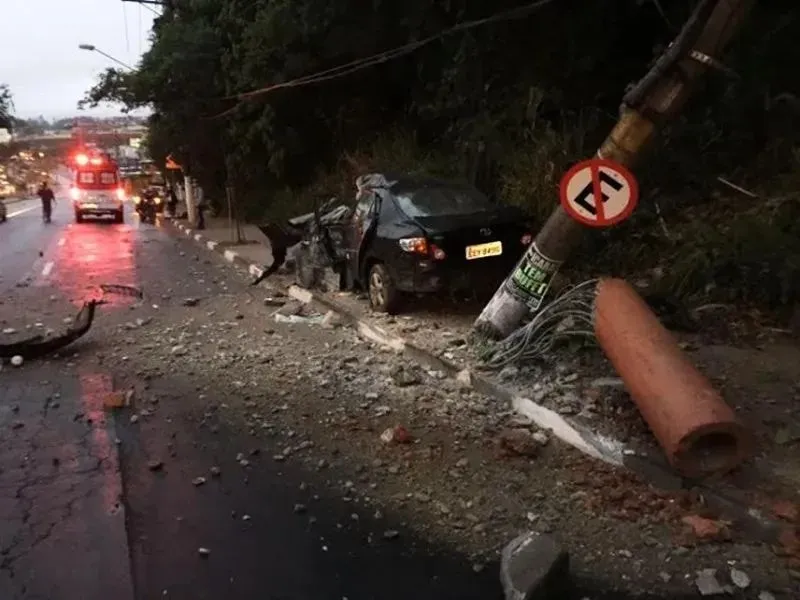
<point>120,194</point>
<point>437,253</point>
<point>527,239</point>
<point>75,193</point>
<point>416,245</point>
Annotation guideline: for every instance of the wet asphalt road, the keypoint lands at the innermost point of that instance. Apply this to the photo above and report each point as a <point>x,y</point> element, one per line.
<point>62,496</point>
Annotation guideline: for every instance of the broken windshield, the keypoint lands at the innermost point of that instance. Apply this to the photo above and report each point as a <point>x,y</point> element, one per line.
<point>442,201</point>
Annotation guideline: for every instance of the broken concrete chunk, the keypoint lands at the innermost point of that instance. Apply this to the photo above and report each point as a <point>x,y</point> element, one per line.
<point>707,583</point>
<point>291,308</point>
<point>740,579</point>
<point>331,320</point>
<point>533,566</point>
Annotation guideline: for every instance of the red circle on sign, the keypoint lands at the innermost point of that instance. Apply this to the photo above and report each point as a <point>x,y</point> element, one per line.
<point>590,174</point>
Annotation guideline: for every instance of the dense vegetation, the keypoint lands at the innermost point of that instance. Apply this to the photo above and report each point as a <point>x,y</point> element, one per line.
<point>6,107</point>
<point>506,104</point>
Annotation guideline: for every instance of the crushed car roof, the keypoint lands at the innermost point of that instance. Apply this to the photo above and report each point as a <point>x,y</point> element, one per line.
<point>396,181</point>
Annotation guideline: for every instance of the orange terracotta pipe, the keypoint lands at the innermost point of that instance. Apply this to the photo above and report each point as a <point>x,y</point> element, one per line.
<point>696,428</point>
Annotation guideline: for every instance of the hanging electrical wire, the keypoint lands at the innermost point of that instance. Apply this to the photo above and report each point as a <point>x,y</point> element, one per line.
<point>568,316</point>
<point>369,61</point>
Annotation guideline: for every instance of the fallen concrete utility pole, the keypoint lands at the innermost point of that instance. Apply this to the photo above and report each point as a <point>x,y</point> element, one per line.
<point>657,98</point>
<point>696,428</point>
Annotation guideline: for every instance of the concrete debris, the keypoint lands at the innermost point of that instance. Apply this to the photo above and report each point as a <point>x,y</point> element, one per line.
<point>705,529</point>
<point>298,319</point>
<point>155,465</point>
<point>396,435</point>
<point>391,534</point>
<point>764,595</point>
<point>198,481</point>
<point>464,378</point>
<point>274,301</point>
<point>331,320</point>
<point>707,583</point>
<point>533,566</point>
<point>290,308</point>
<point>517,442</point>
<point>204,552</point>
<point>740,579</point>
<point>405,376</point>
<point>190,302</point>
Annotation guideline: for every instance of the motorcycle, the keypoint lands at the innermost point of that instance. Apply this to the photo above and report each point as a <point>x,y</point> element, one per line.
<point>146,208</point>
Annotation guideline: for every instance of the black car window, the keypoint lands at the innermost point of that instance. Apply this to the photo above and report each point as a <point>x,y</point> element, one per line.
<point>442,201</point>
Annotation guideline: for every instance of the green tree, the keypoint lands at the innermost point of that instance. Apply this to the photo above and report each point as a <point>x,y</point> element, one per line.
<point>6,107</point>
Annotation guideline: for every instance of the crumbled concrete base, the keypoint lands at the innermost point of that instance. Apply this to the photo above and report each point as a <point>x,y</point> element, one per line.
<point>533,566</point>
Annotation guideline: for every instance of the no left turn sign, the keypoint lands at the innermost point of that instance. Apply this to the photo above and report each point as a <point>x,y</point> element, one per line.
<point>599,192</point>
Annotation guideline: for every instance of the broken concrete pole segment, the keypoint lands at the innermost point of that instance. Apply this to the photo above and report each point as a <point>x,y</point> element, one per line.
<point>689,418</point>
<point>659,96</point>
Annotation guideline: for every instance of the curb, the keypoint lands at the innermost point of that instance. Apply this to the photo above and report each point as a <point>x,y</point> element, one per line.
<point>609,450</point>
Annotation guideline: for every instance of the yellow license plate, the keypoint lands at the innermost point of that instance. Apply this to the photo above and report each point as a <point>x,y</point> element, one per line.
<point>484,250</point>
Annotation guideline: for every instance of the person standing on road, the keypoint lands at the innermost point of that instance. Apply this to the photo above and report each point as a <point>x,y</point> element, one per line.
<point>48,198</point>
<point>172,203</point>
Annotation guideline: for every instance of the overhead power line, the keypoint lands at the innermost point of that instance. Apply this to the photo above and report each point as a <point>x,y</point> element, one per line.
<point>363,63</point>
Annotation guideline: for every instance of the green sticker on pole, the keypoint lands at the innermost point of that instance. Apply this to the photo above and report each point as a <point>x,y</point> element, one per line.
<point>532,277</point>
<point>599,192</point>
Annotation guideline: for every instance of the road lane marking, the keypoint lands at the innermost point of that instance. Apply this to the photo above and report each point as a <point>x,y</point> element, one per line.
<point>47,268</point>
<point>21,212</point>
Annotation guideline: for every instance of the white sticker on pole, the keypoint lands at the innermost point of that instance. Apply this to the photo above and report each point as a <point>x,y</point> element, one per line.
<point>599,192</point>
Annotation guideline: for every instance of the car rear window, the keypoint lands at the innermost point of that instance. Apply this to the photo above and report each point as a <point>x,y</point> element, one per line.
<point>442,201</point>
<point>97,179</point>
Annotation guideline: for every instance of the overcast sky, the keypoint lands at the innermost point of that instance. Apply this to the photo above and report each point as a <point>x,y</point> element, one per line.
<point>39,55</point>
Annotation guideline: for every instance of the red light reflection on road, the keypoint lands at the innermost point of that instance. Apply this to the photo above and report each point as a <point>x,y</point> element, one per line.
<point>95,253</point>
<point>94,389</point>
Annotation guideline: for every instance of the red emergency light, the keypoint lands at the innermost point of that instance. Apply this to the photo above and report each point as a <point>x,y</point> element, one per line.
<point>82,159</point>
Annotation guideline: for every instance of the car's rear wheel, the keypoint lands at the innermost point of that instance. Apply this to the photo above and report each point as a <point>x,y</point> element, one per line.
<point>78,217</point>
<point>119,217</point>
<point>383,294</point>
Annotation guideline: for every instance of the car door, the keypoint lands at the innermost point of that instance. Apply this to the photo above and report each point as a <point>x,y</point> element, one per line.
<point>362,224</point>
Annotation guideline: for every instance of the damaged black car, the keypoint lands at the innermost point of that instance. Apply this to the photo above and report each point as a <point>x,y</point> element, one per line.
<point>407,235</point>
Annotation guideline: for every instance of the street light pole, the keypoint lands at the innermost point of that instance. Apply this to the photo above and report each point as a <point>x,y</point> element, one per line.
<point>91,48</point>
